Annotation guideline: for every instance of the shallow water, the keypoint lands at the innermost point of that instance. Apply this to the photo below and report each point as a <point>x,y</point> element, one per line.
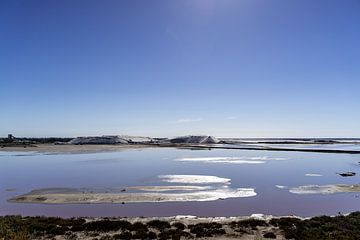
<point>272,176</point>
<point>346,147</point>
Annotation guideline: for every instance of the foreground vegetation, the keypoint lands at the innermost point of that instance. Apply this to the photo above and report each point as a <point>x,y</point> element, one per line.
<point>21,228</point>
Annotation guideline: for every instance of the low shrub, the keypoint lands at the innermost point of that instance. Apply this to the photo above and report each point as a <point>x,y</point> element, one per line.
<point>251,223</point>
<point>173,234</point>
<point>179,225</point>
<point>158,224</point>
<point>152,235</point>
<point>138,226</point>
<point>323,227</point>
<point>207,229</point>
<point>140,234</point>
<point>106,225</point>
<point>124,235</point>
<point>269,235</point>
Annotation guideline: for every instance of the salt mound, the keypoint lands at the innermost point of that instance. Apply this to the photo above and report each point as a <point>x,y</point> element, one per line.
<point>195,140</point>
<point>98,140</point>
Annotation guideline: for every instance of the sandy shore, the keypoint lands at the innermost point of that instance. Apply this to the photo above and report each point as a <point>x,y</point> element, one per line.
<point>326,189</point>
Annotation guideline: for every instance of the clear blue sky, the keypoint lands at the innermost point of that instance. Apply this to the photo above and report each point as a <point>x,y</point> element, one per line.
<point>246,68</point>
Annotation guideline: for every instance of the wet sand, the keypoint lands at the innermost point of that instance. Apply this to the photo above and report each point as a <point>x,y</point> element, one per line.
<point>326,189</point>
<point>163,194</point>
<point>150,194</point>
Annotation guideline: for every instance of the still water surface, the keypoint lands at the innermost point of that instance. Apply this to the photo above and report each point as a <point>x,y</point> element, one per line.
<point>22,172</point>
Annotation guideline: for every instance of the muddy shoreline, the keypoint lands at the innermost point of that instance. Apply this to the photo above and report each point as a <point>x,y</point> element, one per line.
<point>94,148</point>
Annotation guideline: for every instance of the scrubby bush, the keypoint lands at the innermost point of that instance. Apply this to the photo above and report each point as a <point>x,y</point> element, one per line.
<point>179,225</point>
<point>124,235</point>
<point>16,227</point>
<point>152,235</point>
<point>158,224</point>
<point>106,237</point>
<point>324,227</point>
<point>269,235</point>
<point>105,225</point>
<point>287,225</point>
<point>124,225</point>
<point>207,229</point>
<point>140,234</point>
<point>138,226</point>
<point>101,226</point>
<point>251,223</point>
<point>173,234</point>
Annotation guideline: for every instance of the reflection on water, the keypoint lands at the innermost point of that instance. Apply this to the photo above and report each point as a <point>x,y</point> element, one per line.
<point>272,182</point>
<point>313,175</point>
<point>197,179</point>
<point>231,160</point>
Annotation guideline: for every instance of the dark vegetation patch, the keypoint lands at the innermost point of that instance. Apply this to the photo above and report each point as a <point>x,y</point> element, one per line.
<point>106,225</point>
<point>138,226</point>
<point>269,235</point>
<point>207,229</point>
<point>249,223</point>
<point>152,235</point>
<point>16,227</point>
<point>179,225</point>
<point>124,235</point>
<point>106,237</point>
<point>323,227</point>
<point>174,234</point>
<point>158,224</point>
<point>141,234</point>
<point>287,224</point>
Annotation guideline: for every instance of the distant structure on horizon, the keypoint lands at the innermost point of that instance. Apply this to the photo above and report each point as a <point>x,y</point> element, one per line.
<point>191,139</point>
<point>195,140</point>
<point>110,140</point>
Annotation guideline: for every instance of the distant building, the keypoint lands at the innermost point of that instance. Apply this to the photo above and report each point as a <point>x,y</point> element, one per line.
<point>11,137</point>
